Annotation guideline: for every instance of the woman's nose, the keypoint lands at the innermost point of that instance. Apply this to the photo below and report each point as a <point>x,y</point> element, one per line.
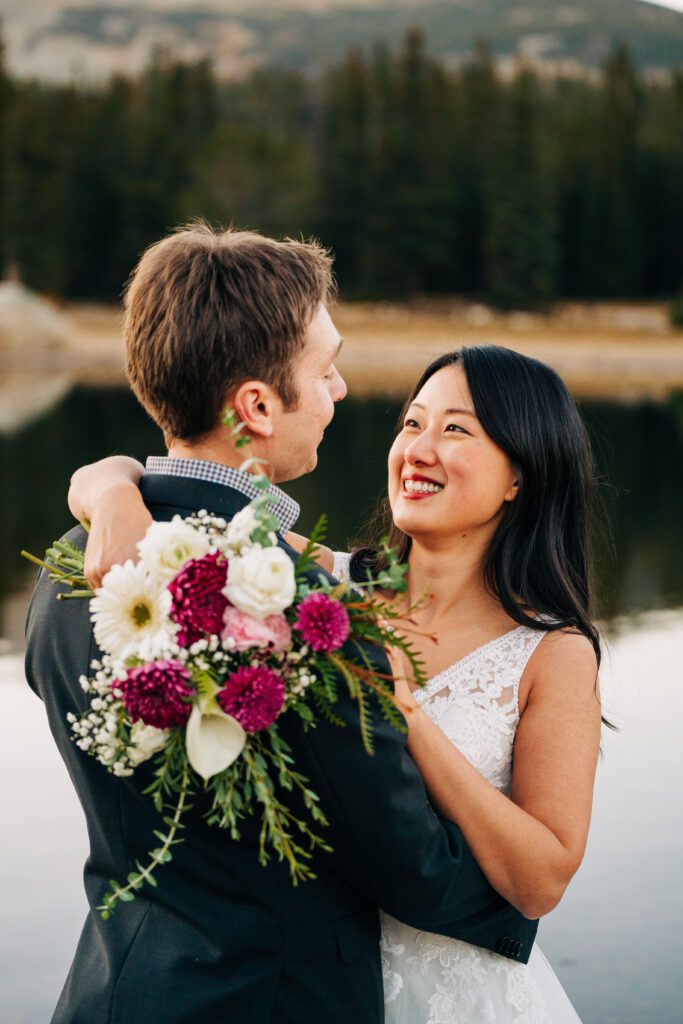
<point>421,450</point>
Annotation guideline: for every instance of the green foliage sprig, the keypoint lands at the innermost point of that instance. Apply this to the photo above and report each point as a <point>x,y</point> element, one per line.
<point>64,563</point>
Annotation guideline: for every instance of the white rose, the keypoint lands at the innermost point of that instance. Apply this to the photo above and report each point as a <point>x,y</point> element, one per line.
<point>240,528</point>
<point>261,582</point>
<point>146,741</point>
<point>166,547</point>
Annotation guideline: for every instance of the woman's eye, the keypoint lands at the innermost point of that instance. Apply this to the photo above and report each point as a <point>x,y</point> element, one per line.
<point>411,423</point>
<point>454,427</point>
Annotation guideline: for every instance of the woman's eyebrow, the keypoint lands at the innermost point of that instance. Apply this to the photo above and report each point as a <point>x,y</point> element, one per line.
<point>450,412</point>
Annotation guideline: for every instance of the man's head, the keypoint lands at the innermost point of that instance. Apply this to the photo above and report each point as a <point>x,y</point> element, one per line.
<point>229,317</point>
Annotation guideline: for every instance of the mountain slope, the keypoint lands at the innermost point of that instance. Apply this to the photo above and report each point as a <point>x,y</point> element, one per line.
<point>57,39</point>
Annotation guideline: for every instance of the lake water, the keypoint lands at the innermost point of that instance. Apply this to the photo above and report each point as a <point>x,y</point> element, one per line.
<point>616,940</point>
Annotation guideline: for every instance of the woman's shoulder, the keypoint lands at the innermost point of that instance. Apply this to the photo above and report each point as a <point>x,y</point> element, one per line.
<point>567,644</point>
<point>564,661</point>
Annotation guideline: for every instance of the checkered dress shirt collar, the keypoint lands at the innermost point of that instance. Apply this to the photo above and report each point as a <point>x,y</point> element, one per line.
<point>285,508</point>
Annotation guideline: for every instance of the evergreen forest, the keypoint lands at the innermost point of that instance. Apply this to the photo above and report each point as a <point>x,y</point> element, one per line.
<point>423,179</point>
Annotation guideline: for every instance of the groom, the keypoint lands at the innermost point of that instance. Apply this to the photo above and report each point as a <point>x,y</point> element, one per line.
<point>235,318</point>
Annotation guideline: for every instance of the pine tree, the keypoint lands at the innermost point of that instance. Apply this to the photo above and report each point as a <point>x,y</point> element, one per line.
<point>41,199</point>
<point>615,255</point>
<point>479,100</point>
<point>344,174</point>
<point>419,201</point>
<point>521,232</point>
<point>5,100</point>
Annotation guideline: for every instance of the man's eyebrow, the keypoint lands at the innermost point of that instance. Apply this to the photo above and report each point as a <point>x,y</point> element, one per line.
<point>450,412</point>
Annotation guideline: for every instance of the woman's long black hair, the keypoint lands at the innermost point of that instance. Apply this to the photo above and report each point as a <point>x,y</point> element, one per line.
<point>537,562</point>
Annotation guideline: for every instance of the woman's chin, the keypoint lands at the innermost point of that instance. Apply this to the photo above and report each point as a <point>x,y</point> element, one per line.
<point>412,523</point>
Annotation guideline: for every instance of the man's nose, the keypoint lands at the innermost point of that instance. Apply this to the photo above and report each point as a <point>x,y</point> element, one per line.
<point>340,388</point>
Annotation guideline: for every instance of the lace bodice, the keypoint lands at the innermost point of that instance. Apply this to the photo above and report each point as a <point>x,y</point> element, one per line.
<point>475,701</point>
<point>430,979</point>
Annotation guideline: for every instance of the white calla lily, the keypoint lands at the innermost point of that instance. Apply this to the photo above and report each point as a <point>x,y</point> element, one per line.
<point>213,739</point>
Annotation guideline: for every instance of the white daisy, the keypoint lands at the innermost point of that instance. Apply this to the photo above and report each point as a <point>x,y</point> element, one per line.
<point>166,547</point>
<point>130,614</point>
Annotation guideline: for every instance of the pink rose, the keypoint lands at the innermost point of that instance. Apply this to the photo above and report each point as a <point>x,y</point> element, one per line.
<point>246,632</point>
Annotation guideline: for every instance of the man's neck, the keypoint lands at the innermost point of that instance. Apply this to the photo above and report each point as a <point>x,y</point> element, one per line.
<point>219,452</point>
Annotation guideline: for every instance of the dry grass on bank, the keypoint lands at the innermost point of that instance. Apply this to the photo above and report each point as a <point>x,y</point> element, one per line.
<point>601,350</point>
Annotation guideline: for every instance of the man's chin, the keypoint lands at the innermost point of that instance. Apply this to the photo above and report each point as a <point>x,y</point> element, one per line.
<point>294,472</point>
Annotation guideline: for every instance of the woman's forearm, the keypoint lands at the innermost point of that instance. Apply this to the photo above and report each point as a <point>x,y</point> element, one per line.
<point>521,857</point>
<point>323,556</point>
<point>106,494</point>
<point>91,485</point>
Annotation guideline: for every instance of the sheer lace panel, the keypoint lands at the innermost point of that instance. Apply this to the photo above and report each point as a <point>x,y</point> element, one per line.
<point>475,702</point>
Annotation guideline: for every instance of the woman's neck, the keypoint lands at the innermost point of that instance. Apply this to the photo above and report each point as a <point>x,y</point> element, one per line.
<point>452,574</point>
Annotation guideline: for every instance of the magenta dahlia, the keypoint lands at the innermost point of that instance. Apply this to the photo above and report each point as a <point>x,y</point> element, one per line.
<point>198,602</point>
<point>323,622</point>
<point>254,695</point>
<point>158,694</point>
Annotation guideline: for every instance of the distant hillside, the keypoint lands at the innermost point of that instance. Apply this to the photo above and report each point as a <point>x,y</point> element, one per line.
<point>59,40</point>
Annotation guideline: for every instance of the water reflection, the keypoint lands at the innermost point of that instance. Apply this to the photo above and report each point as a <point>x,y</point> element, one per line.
<point>616,939</point>
<point>639,447</point>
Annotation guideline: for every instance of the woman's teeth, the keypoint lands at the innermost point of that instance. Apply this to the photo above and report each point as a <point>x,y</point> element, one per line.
<point>421,487</point>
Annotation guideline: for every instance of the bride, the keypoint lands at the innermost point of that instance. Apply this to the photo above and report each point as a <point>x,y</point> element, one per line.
<point>489,485</point>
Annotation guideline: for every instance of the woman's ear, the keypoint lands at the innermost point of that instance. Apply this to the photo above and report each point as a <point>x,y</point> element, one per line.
<point>512,491</point>
<point>253,404</point>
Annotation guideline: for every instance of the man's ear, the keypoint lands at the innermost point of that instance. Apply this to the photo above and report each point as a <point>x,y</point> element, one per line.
<point>254,404</point>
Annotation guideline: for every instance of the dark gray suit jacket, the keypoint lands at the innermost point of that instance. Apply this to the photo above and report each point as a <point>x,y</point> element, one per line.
<point>223,940</point>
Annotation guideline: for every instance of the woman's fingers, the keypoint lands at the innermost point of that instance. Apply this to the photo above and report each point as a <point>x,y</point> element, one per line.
<point>402,690</point>
<point>114,534</point>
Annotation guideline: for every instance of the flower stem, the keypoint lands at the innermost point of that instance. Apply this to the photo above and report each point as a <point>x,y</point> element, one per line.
<point>162,855</point>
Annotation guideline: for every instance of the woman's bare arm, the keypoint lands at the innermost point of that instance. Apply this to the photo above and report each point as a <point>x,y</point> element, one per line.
<point>325,556</point>
<point>528,845</point>
<point>106,494</point>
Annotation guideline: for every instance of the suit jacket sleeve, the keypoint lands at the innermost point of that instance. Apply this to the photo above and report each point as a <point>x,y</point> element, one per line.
<point>388,840</point>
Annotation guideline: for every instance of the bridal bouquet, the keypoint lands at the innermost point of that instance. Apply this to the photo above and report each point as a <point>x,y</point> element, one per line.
<point>206,643</point>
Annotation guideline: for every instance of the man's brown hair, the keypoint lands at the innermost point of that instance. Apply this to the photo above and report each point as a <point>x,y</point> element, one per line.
<point>208,309</point>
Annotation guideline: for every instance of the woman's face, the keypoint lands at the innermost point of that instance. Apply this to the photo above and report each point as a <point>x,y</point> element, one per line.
<point>446,475</point>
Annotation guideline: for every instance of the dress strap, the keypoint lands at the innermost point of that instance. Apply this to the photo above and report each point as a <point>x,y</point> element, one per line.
<point>341,568</point>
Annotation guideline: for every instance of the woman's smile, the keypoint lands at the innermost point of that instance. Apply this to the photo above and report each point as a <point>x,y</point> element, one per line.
<point>416,487</point>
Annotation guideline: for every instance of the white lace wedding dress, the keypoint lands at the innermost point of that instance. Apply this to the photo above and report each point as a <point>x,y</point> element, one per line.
<point>430,979</point>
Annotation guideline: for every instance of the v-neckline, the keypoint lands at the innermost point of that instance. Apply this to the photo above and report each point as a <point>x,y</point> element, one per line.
<point>427,688</point>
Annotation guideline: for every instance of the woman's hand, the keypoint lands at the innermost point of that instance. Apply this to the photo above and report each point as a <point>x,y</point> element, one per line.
<point>403,694</point>
<point>106,494</point>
